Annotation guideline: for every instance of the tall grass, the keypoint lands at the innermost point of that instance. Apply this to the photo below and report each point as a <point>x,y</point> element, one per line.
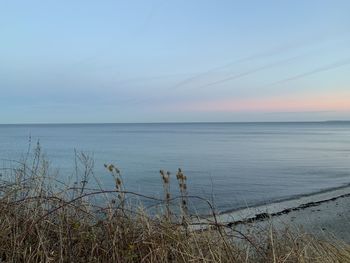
<point>45,220</point>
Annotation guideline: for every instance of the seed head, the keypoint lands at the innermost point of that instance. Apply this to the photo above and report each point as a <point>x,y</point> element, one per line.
<point>111,167</point>
<point>119,182</point>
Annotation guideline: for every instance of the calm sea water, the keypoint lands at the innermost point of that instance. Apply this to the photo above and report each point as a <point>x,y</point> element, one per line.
<point>238,164</point>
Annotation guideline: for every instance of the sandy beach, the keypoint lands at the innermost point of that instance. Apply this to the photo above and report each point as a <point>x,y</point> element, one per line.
<point>324,215</point>
<point>325,220</point>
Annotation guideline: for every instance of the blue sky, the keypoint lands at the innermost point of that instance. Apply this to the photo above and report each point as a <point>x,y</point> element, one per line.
<point>155,61</point>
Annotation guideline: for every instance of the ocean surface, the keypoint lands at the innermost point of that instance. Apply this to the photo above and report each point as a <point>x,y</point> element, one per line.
<point>234,164</point>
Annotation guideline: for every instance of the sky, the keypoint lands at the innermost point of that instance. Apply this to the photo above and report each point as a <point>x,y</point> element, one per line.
<point>87,61</point>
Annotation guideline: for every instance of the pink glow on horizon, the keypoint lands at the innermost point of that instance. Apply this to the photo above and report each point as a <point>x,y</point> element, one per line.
<point>338,102</point>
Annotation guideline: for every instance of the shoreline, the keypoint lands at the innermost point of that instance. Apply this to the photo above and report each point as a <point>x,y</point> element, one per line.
<point>298,212</point>
<point>324,215</point>
<point>291,202</point>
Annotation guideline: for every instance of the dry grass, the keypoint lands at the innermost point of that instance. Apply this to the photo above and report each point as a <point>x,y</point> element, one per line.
<point>44,220</point>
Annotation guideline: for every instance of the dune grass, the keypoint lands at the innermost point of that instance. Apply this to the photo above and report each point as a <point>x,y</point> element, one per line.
<point>45,220</point>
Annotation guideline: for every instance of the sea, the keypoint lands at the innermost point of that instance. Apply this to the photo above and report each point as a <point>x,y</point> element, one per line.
<point>234,165</point>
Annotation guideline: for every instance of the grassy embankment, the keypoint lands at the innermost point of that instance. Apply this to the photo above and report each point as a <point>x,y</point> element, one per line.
<point>45,220</point>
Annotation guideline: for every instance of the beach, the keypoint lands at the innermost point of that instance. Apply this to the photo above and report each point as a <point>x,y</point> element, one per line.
<point>330,219</point>
<point>325,215</point>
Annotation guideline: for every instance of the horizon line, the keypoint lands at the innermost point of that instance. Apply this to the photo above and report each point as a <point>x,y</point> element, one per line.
<point>170,122</point>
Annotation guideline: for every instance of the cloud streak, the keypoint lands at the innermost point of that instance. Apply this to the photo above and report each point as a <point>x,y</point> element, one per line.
<point>319,103</point>
<point>338,64</point>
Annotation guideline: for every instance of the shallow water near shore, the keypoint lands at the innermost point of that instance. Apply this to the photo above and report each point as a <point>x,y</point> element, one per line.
<point>235,164</point>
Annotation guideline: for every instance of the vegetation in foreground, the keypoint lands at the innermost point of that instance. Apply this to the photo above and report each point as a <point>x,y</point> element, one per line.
<point>45,220</point>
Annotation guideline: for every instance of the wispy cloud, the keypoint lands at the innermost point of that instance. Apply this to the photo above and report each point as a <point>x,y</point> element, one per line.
<point>319,103</point>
